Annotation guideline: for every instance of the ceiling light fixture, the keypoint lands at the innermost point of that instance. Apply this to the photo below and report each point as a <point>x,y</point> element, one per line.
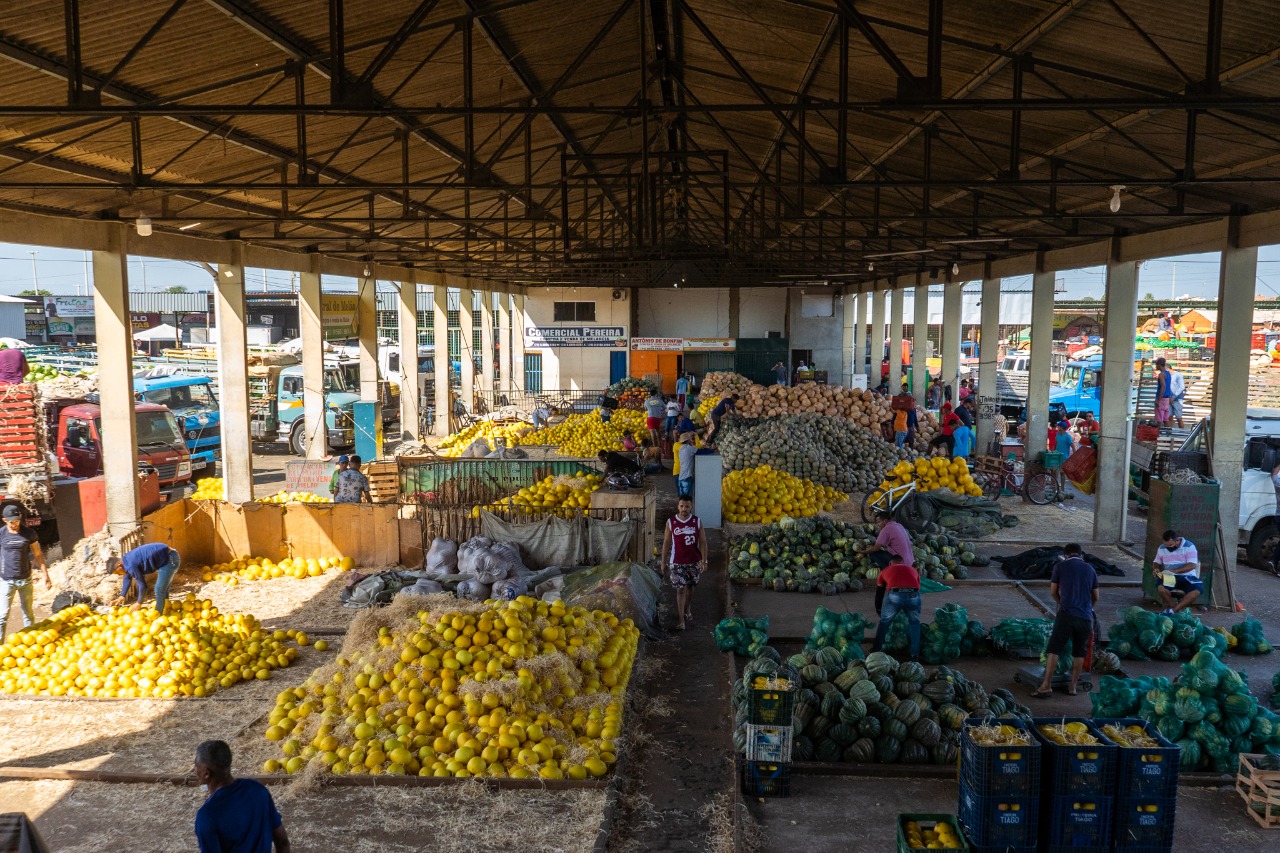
<point>365,271</point>
<point>871,266</point>
<point>229,273</point>
<point>143,224</point>
<point>1115,197</point>
<point>189,226</point>
<point>955,268</point>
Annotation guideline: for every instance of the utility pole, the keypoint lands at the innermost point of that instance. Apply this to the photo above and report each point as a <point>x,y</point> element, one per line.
<point>35,276</point>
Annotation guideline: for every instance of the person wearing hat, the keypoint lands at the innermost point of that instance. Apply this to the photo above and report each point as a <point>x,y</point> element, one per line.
<point>18,551</point>
<point>343,463</point>
<point>153,558</point>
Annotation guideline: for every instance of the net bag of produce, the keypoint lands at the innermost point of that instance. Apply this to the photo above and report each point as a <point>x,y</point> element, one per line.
<point>442,557</point>
<point>1250,640</point>
<point>1029,636</point>
<point>742,636</point>
<point>840,631</point>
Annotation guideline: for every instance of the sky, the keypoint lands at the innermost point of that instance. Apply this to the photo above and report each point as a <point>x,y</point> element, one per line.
<point>65,272</point>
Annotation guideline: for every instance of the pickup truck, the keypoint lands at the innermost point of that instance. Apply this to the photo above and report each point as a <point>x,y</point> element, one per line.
<point>76,428</point>
<point>195,406</point>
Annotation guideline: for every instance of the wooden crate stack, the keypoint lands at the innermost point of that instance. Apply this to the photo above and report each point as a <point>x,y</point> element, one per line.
<point>384,481</point>
<point>21,433</point>
<point>1260,790</point>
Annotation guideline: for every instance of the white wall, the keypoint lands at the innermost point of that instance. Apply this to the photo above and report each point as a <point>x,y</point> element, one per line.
<point>823,335</point>
<point>761,310</point>
<point>668,312</point>
<point>13,320</point>
<point>568,368</point>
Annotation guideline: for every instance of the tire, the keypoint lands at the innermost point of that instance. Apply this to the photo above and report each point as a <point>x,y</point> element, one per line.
<point>1039,488</point>
<point>992,486</point>
<point>1262,543</point>
<point>915,513</point>
<point>868,511</point>
<point>298,438</point>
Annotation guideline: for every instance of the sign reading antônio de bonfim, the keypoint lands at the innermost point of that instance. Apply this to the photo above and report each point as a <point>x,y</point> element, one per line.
<point>549,337</point>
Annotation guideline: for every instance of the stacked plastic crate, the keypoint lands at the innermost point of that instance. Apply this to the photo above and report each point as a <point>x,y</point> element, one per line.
<point>1079,783</point>
<point>1146,789</point>
<point>999,805</point>
<point>771,703</point>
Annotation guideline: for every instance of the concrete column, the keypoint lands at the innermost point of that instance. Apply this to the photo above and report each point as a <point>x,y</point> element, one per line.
<point>115,382</point>
<point>407,314</point>
<point>988,362</point>
<point>440,325</point>
<point>920,343</point>
<point>311,327</point>
<point>895,339</point>
<point>952,333</point>
<point>486,342</point>
<point>876,336</point>
<point>504,342</point>
<point>367,335</point>
<point>849,306</point>
<point>233,379</point>
<point>1038,373</point>
<point>735,310</point>
<point>1111,498</point>
<point>466,352</point>
<point>861,320</point>
<point>518,320</point>
<point>1236,279</point>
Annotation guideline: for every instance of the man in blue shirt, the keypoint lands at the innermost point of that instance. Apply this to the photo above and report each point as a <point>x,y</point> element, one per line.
<point>1074,585</point>
<point>153,558</point>
<point>239,816</point>
<point>1064,446</point>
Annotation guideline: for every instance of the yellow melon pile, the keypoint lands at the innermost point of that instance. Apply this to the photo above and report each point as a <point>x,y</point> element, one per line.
<point>763,495</point>
<point>586,435</point>
<point>459,441</point>
<point>208,489</point>
<point>931,473</point>
<point>563,495</point>
<point>521,689</point>
<point>285,497</point>
<point>264,568</point>
<point>192,650</point>
<point>705,405</point>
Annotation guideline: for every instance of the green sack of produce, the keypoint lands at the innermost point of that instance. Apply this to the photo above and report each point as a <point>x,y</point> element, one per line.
<point>741,635</point>
<point>1250,638</point>
<point>841,631</point>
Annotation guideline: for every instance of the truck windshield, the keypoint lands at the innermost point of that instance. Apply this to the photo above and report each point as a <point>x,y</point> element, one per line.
<point>183,400</point>
<point>1071,378</point>
<point>153,428</point>
<point>335,381</point>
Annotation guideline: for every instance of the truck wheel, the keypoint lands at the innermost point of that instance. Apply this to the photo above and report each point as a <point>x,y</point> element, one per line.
<point>298,438</point>
<point>1262,543</point>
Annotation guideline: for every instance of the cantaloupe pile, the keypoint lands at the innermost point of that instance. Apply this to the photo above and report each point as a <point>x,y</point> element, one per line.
<point>586,435</point>
<point>285,496</point>
<point>521,689</point>
<point>454,444</point>
<point>247,568</point>
<point>192,650</point>
<point>931,473</point>
<point>208,489</point>
<point>563,495</point>
<point>764,495</point>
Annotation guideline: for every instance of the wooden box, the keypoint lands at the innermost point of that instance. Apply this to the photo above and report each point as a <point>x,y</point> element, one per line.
<point>384,481</point>
<point>1260,790</point>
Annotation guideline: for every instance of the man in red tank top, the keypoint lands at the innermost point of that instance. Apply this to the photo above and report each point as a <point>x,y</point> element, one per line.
<point>898,590</point>
<point>684,557</point>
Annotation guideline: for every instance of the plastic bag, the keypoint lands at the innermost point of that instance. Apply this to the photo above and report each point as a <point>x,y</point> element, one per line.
<point>1250,637</point>
<point>474,591</point>
<point>442,557</point>
<point>741,635</point>
<point>842,631</point>
<point>509,589</point>
<point>423,587</point>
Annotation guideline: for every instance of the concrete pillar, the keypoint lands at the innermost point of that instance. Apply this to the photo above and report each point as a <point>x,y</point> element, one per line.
<point>311,327</point>
<point>735,311</point>
<point>440,326</point>
<point>1236,279</point>
<point>115,382</point>
<point>504,342</point>
<point>988,362</point>
<point>407,315</point>
<point>367,335</point>
<point>1111,498</point>
<point>876,336</point>
<point>861,319</point>
<point>466,353</point>
<point>895,339</point>
<point>1038,372</point>
<point>518,321</point>
<point>849,313</point>
<point>952,333</point>
<point>920,342</point>
<point>233,379</point>
<point>486,343</point>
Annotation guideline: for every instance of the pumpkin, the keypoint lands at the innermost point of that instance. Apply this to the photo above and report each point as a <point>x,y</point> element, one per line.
<point>869,727</point>
<point>927,732</point>
<point>832,703</point>
<point>895,729</point>
<point>914,752</point>
<point>828,750</point>
<point>887,749</point>
<point>770,653</point>
<point>804,713</point>
<point>740,739</point>
<point>940,692</point>
<point>852,710</point>
<point>908,712</point>
<point>842,734</point>
<point>812,674</point>
<point>879,663</point>
<point>847,679</point>
<point>829,658</point>
<point>862,751</point>
<point>823,689</point>
<point>865,691</point>
<point>759,666</point>
<point>903,689</point>
<point>802,749</point>
<point>879,710</point>
<point>799,662</point>
<point>817,728</point>
<point>952,716</point>
<point>943,753</point>
<point>911,671</point>
<point>883,683</point>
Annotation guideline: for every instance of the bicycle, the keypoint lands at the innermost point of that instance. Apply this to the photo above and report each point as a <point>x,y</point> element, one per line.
<point>427,421</point>
<point>999,477</point>
<point>1042,484</point>
<point>887,501</point>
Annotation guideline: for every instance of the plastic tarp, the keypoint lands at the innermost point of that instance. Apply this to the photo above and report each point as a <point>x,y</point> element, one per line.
<point>552,541</point>
<point>1037,564</point>
<point>607,541</point>
<point>19,835</point>
<point>626,589</point>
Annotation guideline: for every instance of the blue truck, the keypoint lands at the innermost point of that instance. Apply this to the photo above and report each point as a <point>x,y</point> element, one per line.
<point>1079,387</point>
<point>195,407</point>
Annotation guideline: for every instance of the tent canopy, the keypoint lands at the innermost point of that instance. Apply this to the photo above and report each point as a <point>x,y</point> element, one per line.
<point>163,332</point>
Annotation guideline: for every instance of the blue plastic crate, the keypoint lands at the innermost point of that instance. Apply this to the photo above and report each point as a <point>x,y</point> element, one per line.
<point>1000,770</point>
<point>770,707</point>
<point>1146,771</point>
<point>1076,769</point>
<point>1002,848</point>
<point>1078,822</point>
<point>766,779</point>
<point>1145,823</point>
<point>998,822</point>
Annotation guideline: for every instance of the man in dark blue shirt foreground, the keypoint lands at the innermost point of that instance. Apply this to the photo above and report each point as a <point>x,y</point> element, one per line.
<point>153,558</point>
<point>1074,585</point>
<point>239,816</point>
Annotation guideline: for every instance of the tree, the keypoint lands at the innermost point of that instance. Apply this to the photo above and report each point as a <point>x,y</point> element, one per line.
<point>177,288</point>
<point>1148,297</point>
<point>31,292</point>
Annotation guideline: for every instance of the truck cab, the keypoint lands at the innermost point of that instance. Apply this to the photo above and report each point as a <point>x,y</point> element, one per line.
<point>194,405</point>
<point>1079,387</point>
<point>338,401</point>
<point>80,449</point>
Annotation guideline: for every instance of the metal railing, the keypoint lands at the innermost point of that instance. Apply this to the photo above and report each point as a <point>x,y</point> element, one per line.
<point>522,403</point>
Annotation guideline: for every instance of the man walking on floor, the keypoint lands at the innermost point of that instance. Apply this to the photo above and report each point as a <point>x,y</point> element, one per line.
<point>1074,585</point>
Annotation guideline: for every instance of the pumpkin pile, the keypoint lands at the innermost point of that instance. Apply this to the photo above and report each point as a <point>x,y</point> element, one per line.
<point>830,451</point>
<point>929,473</point>
<point>866,408</point>
<point>520,689</point>
<point>1208,711</point>
<point>763,496</point>
<point>873,711</point>
<point>721,383</point>
<point>821,555</point>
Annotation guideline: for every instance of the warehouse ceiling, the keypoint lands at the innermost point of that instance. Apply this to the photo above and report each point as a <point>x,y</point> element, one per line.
<point>634,142</point>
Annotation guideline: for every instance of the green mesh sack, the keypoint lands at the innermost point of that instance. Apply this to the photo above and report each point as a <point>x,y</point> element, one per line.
<point>1189,755</point>
<point>841,631</point>
<point>1250,637</point>
<point>897,638</point>
<point>1117,697</point>
<point>742,636</point>
<point>1030,634</point>
<point>1275,690</point>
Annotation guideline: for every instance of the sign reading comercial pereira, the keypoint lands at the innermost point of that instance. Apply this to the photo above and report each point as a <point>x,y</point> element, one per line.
<point>550,337</point>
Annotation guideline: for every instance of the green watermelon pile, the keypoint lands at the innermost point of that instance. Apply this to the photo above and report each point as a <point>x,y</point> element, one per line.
<point>950,636</point>
<point>843,632</point>
<point>819,554</point>
<point>873,711</point>
<point>1208,711</point>
<point>1143,635</point>
<point>1250,638</point>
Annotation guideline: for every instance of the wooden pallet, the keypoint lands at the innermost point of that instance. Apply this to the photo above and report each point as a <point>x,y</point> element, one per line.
<point>1260,790</point>
<point>384,481</point>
